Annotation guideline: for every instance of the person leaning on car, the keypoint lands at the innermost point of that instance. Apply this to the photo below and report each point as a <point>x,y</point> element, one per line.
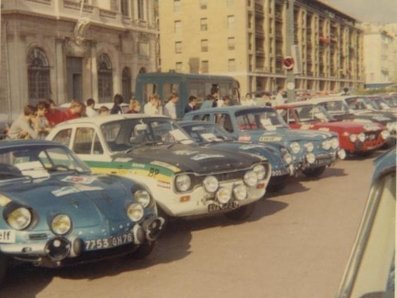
<point>21,128</point>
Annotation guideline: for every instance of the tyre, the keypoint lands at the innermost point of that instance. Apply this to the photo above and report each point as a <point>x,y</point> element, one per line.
<point>241,213</point>
<point>313,173</point>
<point>3,267</point>
<point>144,250</point>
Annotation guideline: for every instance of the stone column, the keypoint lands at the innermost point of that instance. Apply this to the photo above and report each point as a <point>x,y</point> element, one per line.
<point>60,69</point>
<point>94,72</point>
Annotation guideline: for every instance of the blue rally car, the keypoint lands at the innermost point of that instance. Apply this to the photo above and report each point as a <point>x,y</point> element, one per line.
<point>54,212</point>
<point>210,135</point>
<point>312,151</point>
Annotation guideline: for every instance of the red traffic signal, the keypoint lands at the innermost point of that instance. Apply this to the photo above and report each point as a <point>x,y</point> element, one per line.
<point>288,63</point>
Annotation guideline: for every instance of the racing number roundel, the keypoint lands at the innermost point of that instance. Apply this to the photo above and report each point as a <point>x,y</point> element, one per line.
<point>288,63</point>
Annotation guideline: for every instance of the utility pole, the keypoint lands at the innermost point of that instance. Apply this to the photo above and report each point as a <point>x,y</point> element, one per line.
<point>290,82</point>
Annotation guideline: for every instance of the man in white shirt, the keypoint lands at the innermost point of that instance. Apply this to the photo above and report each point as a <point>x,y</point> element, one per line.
<point>90,110</point>
<point>170,107</point>
<point>153,107</point>
<point>21,128</point>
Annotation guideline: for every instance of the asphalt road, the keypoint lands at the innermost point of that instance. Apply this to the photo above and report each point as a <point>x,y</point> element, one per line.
<point>296,244</point>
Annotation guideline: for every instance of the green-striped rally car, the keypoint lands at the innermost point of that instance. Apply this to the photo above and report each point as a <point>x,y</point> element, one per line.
<point>185,179</point>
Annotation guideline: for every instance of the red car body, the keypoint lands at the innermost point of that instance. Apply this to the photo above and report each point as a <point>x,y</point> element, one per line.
<point>354,137</point>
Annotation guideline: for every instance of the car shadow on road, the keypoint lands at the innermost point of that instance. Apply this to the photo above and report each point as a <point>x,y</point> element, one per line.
<point>329,172</point>
<point>173,245</point>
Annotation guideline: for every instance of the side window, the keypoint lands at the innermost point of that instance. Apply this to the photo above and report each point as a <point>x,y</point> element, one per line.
<point>224,121</point>
<point>202,117</point>
<point>87,142</point>
<point>63,137</point>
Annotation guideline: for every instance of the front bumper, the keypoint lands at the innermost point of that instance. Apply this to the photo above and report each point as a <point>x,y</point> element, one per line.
<point>82,245</point>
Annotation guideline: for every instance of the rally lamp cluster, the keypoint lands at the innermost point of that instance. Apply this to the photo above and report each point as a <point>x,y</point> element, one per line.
<point>183,183</point>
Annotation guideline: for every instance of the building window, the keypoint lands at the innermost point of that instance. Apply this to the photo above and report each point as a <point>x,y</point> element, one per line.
<point>231,65</point>
<point>38,76</point>
<point>124,8</point>
<point>105,79</point>
<point>126,83</point>
<point>204,45</point>
<point>143,48</point>
<point>177,27</point>
<point>141,9</point>
<point>178,67</point>
<point>203,4</point>
<point>203,24</point>
<point>178,47</point>
<point>177,5</point>
<point>231,45</point>
<point>230,22</point>
<point>204,66</point>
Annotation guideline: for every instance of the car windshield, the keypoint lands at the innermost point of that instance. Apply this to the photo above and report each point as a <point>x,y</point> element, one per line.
<point>259,119</point>
<point>206,133</point>
<point>309,113</point>
<point>37,161</point>
<point>360,103</point>
<point>380,103</point>
<point>126,134</point>
<point>335,107</point>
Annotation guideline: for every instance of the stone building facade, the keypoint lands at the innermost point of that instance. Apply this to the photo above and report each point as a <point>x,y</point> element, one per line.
<point>247,39</point>
<point>65,49</point>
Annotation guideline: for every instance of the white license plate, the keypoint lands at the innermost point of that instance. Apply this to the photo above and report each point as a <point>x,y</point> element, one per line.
<point>7,236</point>
<point>216,208</point>
<point>105,243</point>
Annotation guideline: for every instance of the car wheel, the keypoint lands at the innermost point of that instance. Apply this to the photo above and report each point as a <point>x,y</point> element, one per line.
<point>3,267</point>
<point>144,250</point>
<point>316,172</point>
<point>241,213</point>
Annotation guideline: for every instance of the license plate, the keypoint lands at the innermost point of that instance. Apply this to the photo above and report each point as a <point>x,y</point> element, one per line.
<point>215,208</point>
<point>110,242</point>
<point>7,236</point>
<point>322,162</point>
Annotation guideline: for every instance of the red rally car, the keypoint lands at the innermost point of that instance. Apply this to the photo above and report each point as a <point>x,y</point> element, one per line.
<point>354,137</point>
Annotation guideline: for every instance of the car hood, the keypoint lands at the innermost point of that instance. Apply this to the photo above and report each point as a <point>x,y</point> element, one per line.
<point>88,200</point>
<point>193,158</point>
<point>352,126</point>
<point>288,135</point>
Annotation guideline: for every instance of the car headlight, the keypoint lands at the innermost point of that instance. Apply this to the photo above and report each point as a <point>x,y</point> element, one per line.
<point>287,158</point>
<point>135,212</point>
<point>353,138</point>
<point>20,218</point>
<point>326,145</point>
<point>143,197</point>
<point>295,147</point>
<point>385,134</point>
<point>240,192</point>
<point>260,172</point>
<point>211,184</point>
<point>183,182</point>
<point>334,143</point>
<point>224,195</point>
<point>61,224</point>
<point>309,147</point>
<point>361,137</point>
<point>250,178</point>
<point>311,158</point>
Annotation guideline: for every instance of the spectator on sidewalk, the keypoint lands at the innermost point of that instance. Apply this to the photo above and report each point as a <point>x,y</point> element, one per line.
<point>40,122</point>
<point>192,104</point>
<point>22,128</point>
<point>117,101</point>
<point>170,107</point>
<point>90,109</point>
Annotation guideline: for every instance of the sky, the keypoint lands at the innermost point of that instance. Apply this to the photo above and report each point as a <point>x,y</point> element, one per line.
<point>371,11</point>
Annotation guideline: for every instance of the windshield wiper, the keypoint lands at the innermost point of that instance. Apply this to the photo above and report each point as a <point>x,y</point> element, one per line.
<point>62,168</point>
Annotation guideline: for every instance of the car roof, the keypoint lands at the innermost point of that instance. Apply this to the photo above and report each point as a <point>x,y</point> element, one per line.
<point>333,98</point>
<point>194,122</point>
<point>99,120</point>
<point>234,108</point>
<point>22,143</point>
<point>296,104</point>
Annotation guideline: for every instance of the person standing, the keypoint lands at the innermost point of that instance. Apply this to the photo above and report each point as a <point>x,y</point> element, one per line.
<point>170,107</point>
<point>117,101</point>
<point>153,106</point>
<point>75,110</point>
<point>90,109</point>
<point>21,128</point>
<point>192,104</point>
<point>280,99</point>
<point>40,122</point>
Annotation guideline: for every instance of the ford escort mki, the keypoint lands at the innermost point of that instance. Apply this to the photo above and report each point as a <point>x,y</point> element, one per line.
<point>311,151</point>
<point>54,212</point>
<point>185,179</point>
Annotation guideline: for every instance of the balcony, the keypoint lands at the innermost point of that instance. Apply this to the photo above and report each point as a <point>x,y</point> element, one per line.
<point>259,10</point>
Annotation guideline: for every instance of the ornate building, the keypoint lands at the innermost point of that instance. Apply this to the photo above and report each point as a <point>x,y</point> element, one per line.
<point>247,39</point>
<point>64,49</point>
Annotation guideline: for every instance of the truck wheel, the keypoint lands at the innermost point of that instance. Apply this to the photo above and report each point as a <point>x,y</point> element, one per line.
<point>241,213</point>
<point>313,173</point>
